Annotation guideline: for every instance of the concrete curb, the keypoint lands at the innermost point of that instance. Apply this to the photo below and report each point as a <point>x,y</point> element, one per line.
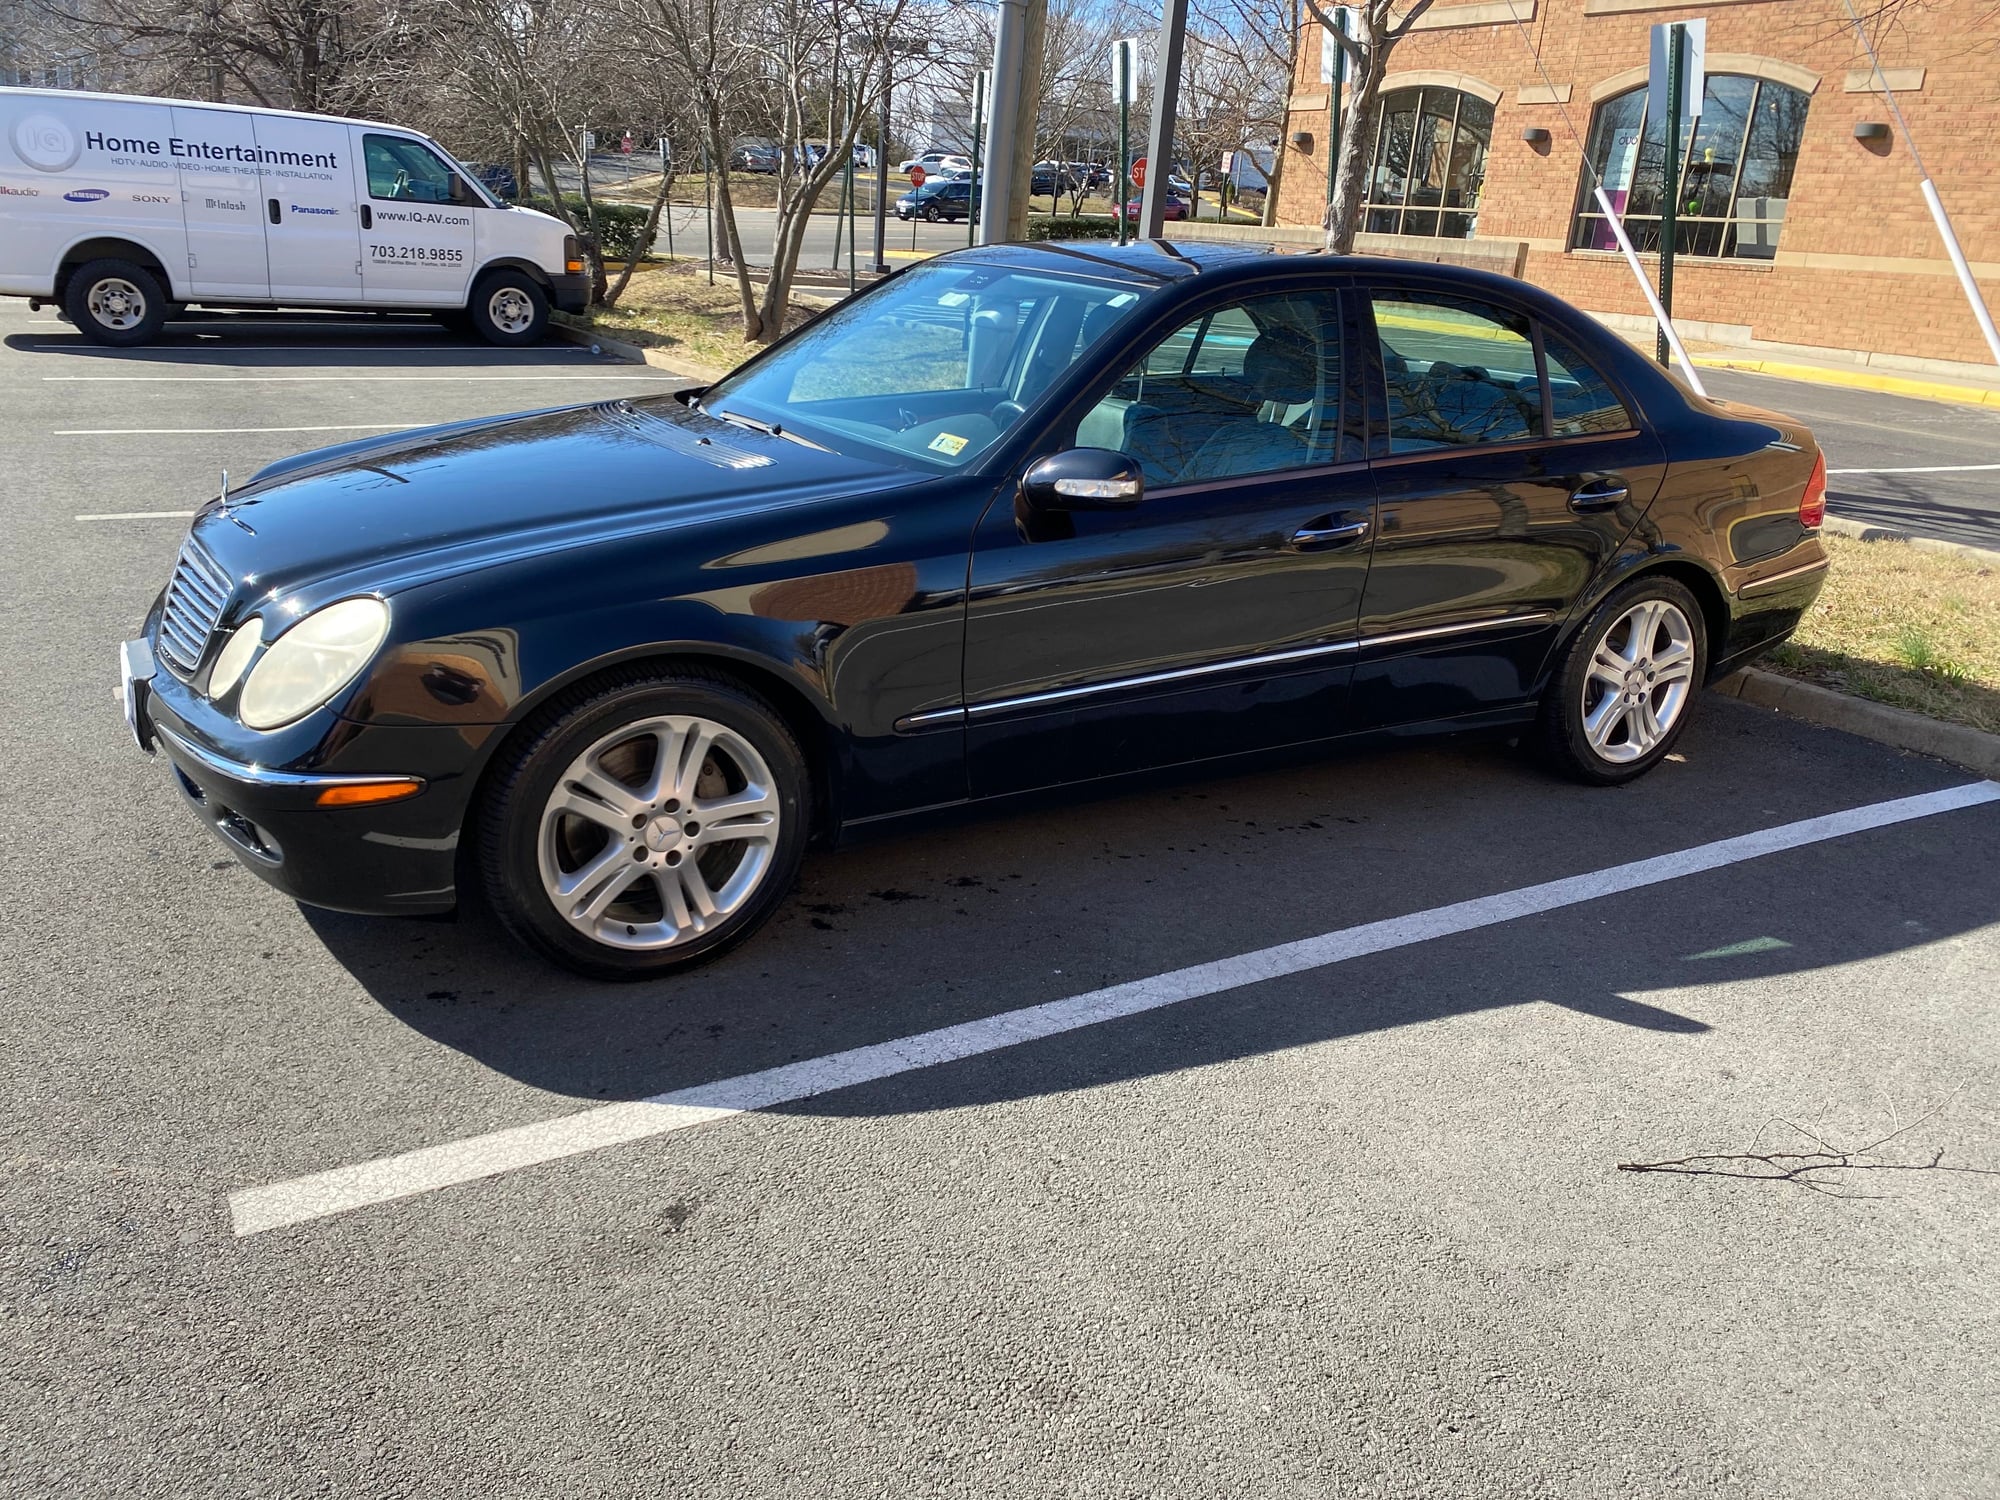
<point>1962,745</point>
<point>659,359</point>
<point>1857,380</point>
<point>1868,531</point>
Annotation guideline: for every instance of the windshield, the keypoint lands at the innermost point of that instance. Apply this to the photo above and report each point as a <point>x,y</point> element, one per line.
<point>932,368</point>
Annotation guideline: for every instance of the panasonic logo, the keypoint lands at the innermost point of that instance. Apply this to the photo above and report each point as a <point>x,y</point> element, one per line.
<point>87,195</point>
<point>300,208</point>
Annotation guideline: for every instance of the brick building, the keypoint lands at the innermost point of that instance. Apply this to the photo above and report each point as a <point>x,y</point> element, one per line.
<point>1802,232</point>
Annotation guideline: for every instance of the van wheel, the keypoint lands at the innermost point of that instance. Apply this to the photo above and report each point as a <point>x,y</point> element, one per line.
<point>115,302</point>
<point>510,308</point>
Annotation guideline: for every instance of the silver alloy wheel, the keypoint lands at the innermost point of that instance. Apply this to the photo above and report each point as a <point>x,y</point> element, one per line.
<point>658,832</point>
<point>510,310</point>
<point>1637,685</point>
<point>116,303</point>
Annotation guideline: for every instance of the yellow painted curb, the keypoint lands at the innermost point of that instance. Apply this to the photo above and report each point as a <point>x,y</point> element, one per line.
<point>1857,380</point>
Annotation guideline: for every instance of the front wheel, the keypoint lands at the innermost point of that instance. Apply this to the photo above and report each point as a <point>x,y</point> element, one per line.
<point>646,824</point>
<point>509,308</point>
<point>116,302</point>
<point>931,213</point>
<point>1623,691</point>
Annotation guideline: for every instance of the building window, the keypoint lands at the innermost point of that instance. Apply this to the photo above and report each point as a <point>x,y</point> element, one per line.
<point>1429,162</point>
<point>1735,170</point>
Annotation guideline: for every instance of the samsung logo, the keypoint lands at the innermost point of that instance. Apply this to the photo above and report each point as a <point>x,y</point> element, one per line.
<point>87,195</point>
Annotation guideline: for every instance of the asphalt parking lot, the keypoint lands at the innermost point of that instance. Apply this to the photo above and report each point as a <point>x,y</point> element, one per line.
<point>1242,1137</point>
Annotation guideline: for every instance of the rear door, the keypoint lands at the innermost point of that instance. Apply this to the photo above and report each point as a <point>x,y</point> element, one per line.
<point>1507,475</point>
<point>221,197</point>
<point>311,231</point>
<point>417,233</point>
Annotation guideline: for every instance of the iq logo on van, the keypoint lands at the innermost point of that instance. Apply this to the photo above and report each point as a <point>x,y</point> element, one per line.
<point>45,143</point>
<point>87,195</point>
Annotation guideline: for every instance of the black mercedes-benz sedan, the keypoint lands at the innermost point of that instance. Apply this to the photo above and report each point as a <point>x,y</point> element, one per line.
<point>1014,518</point>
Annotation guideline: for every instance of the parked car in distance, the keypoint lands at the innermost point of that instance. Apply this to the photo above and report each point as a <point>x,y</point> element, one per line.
<point>1049,179</point>
<point>497,178</point>
<point>120,209</point>
<point>946,200</point>
<point>1176,207</point>
<point>1013,519</point>
<point>933,161</point>
<point>753,158</point>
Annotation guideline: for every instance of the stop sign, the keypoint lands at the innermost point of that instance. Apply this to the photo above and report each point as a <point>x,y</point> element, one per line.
<point>916,177</point>
<point>1139,172</point>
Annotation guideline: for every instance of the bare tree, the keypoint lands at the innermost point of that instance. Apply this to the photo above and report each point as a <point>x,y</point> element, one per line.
<point>1378,29</point>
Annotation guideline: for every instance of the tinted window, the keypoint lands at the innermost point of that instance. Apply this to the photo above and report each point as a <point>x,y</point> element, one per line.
<point>1250,389</point>
<point>405,171</point>
<point>1458,372</point>
<point>1579,401</point>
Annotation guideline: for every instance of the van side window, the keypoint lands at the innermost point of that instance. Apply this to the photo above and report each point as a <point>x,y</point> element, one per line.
<point>405,171</point>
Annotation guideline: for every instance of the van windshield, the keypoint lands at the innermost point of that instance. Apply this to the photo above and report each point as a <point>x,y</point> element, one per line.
<point>933,367</point>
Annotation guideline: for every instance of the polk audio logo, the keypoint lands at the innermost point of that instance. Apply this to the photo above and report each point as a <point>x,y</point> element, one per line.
<point>45,143</point>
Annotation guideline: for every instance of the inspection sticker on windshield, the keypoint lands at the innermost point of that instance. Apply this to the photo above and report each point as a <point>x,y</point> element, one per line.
<point>950,443</point>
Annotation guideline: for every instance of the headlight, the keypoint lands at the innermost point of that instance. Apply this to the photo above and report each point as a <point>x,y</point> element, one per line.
<point>312,661</point>
<point>235,656</point>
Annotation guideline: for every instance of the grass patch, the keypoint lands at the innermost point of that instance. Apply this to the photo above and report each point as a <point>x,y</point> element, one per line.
<point>672,306</point>
<point>1905,626</point>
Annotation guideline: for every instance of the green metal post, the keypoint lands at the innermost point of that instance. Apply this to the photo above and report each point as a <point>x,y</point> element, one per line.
<point>1124,188</point>
<point>978,144</point>
<point>1670,188</point>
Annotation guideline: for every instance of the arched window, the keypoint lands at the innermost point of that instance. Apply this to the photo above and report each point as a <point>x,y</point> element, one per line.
<point>1429,162</point>
<point>1735,170</point>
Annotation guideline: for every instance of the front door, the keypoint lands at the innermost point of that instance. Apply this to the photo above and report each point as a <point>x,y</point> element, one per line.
<point>1219,613</point>
<point>311,230</point>
<point>416,222</point>
<point>1508,473</point>
<point>222,202</point>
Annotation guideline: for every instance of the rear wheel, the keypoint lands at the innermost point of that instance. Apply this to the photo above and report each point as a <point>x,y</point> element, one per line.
<point>116,302</point>
<point>649,824</point>
<point>510,308</point>
<point>1626,684</point>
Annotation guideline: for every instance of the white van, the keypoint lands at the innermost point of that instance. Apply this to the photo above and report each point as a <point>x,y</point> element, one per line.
<point>123,210</point>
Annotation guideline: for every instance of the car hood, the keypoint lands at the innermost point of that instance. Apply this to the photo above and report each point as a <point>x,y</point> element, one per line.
<point>387,513</point>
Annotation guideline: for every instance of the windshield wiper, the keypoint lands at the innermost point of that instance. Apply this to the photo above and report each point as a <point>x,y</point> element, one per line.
<point>770,429</point>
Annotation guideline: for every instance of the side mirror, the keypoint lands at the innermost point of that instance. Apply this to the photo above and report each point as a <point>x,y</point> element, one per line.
<point>1084,479</point>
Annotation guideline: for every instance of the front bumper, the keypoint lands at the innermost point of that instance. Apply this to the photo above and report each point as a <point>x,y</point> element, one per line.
<point>571,294</point>
<point>389,858</point>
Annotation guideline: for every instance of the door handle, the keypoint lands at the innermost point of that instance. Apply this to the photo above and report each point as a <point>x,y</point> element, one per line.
<point>1330,530</point>
<point>271,208</point>
<point>367,217</point>
<point>1605,492</point>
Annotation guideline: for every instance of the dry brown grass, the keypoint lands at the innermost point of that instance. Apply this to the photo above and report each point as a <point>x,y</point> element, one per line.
<point>672,307</point>
<point>1905,626</point>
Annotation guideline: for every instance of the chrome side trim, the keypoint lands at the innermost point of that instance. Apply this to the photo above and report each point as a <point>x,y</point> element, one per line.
<point>957,714</point>
<point>264,776</point>
<point>1787,576</point>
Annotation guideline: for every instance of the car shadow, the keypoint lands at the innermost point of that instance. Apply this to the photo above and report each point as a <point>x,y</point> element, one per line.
<point>279,339</point>
<point>1910,506</point>
<point>929,930</point>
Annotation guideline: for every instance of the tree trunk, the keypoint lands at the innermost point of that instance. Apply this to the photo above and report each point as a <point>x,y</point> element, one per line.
<point>1272,182</point>
<point>1358,124</point>
<point>617,290</point>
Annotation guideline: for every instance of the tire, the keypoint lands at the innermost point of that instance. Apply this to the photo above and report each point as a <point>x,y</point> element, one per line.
<point>931,213</point>
<point>116,302</point>
<point>1626,684</point>
<point>557,877</point>
<point>509,308</point>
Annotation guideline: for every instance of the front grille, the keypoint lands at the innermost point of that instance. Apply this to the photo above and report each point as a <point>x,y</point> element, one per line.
<point>195,599</point>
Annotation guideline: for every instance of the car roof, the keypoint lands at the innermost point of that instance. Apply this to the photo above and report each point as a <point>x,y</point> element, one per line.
<point>233,109</point>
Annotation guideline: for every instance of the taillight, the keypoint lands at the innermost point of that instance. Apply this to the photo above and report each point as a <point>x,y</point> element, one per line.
<point>572,256</point>
<point>1812,504</point>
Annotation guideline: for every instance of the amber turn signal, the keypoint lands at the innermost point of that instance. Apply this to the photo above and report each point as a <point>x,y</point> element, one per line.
<point>365,793</point>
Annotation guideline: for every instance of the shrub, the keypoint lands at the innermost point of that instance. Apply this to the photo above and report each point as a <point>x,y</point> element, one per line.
<point>620,226</point>
<point>1072,227</point>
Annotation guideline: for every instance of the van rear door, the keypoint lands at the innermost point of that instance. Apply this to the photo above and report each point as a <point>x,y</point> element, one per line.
<point>311,230</point>
<point>220,192</point>
<point>416,226</point>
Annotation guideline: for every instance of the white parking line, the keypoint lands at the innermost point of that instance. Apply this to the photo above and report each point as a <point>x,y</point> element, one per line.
<point>1926,469</point>
<point>254,1210</point>
<point>295,379</point>
<point>138,515</point>
<point>213,431</point>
